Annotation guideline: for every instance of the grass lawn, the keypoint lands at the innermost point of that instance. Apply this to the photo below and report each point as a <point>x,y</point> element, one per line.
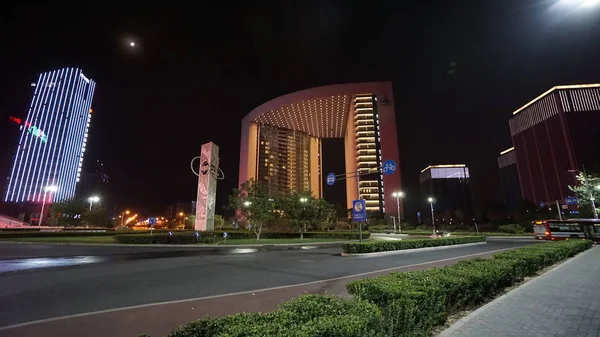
<point>275,241</point>
<point>74,239</point>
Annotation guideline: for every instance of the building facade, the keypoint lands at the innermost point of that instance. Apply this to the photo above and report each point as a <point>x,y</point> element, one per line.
<point>509,179</point>
<point>53,139</point>
<point>554,136</point>
<point>450,188</point>
<point>281,141</point>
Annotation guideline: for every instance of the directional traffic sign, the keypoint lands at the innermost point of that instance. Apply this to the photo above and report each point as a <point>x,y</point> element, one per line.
<point>359,210</point>
<point>330,179</point>
<point>572,200</point>
<point>389,167</point>
<point>151,221</point>
<point>225,234</point>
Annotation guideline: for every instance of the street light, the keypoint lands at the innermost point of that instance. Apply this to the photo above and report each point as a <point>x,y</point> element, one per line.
<point>92,200</point>
<point>398,195</point>
<point>580,3</point>
<point>47,189</point>
<point>123,216</point>
<point>182,219</point>
<point>247,203</point>
<point>431,200</point>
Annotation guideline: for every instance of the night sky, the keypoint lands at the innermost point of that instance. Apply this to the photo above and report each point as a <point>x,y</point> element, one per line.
<point>459,69</point>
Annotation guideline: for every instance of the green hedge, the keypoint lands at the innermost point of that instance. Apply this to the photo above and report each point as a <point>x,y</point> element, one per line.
<point>412,303</point>
<point>214,237</point>
<point>306,316</point>
<point>384,246</point>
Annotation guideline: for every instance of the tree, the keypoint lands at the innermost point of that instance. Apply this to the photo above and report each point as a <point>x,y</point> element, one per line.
<point>586,191</point>
<point>68,213</point>
<point>96,217</point>
<point>219,221</point>
<point>298,208</point>
<point>253,203</point>
<point>326,213</point>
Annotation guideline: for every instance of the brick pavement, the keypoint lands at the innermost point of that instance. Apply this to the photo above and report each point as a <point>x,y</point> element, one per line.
<point>565,301</point>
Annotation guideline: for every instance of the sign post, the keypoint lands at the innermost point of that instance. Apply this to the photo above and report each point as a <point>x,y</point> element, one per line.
<point>359,214</point>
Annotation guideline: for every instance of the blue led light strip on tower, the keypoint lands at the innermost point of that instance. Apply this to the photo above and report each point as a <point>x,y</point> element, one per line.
<point>32,149</point>
<point>19,156</point>
<point>48,122</point>
<point>47,173</point>
<point>69,160</point>
<point>58,120</point>
<point>58,169</point>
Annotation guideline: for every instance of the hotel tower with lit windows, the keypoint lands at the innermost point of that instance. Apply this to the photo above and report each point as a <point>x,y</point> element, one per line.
<point>49,155</point>
<point>281,141</point>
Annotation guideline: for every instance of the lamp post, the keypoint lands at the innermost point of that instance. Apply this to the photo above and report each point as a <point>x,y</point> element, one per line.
<point>47,189</point>
<point>182,219</point>
<point>432,216</point>
<point>123,216</point>
<point>398,195</point>
<point>92,200</point>
<point>303,201</point>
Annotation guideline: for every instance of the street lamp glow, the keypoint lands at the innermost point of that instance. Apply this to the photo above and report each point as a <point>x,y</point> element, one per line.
<point>247,203</point>
<point>579,3</point>
<point>303,199</point>
<point>132,44</point>
<point>430,199</point>
<point>590,3</point>
<point>92,200</point>
<point>398,194</point>
<point>180,213</point>
<point>51,189</point>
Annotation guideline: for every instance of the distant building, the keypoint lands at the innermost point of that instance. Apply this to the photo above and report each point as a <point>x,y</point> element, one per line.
<point>553,136</point>
<point>173,210</point>
<point>93,183</point>
<point>281,141</point>
<point>450,187</point>
<point>53,138</point>
<point>509,179</point>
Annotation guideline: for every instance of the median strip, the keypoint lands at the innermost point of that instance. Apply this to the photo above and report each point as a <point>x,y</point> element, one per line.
<point>388,246</point>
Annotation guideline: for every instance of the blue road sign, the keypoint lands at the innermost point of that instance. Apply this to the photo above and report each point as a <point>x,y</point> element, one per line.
<point>541,204</point>
<point>225,234</point>
<point>572,200</point>
<point>389,167</point>
<point>330,179</point>
<point>359,210</point>
<point>151,221</point>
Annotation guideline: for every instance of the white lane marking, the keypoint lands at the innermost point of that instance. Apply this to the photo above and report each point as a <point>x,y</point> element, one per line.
<point>46,320</point>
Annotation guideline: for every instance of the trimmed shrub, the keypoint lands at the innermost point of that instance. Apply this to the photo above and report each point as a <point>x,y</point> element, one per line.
<point>384,246</point>
<point>412,303</point>
<point>183,238</point>
<point>512,229</point>
<point>306,316</point>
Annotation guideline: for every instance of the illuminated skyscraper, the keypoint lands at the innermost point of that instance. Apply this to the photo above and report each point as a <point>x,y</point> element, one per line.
<point>281,141</point>
<point>53,138</point>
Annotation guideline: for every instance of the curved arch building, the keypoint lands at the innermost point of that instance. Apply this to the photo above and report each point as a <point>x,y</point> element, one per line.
<point>281,141</point>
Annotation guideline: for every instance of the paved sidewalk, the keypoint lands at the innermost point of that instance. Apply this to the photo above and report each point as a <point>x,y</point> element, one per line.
<point>565,301</point>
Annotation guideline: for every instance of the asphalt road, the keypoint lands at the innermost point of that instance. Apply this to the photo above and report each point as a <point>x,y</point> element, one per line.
<point>66,290</point>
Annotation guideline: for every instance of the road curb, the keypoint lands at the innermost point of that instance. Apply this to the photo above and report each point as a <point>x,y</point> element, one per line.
<point>405,251</point>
